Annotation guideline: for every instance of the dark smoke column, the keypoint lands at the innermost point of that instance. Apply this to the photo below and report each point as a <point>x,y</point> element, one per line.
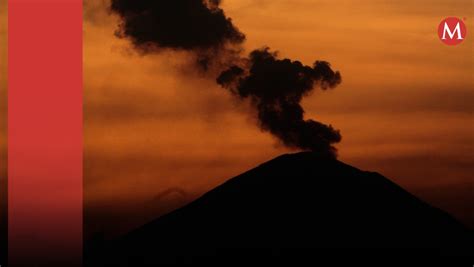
<point>197,26</point>
<point>275,87</point>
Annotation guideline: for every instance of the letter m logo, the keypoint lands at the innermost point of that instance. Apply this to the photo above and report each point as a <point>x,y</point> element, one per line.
<point>452,31</point>
<point>447,30</point>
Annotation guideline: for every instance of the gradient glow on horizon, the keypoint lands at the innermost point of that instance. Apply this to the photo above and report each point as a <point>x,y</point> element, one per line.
<point>404,107</point>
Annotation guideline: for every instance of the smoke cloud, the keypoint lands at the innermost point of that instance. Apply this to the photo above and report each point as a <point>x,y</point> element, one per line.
<point>200,26</point>
<point>275,87</point>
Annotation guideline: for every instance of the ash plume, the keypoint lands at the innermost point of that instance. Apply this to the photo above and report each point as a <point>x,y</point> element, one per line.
<point>275,87</point>
<point>199,26</point>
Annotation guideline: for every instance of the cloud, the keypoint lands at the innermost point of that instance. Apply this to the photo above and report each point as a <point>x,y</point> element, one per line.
<point>275,87</point>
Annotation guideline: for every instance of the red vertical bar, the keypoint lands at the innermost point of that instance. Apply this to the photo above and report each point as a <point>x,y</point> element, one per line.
<point>45,132</point>
<point>3,133</point>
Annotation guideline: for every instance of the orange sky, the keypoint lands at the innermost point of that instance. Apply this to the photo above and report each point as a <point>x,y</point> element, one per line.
<point>404,107</point>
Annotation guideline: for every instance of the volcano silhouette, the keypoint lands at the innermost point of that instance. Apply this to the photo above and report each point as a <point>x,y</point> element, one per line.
<point>292,202</point>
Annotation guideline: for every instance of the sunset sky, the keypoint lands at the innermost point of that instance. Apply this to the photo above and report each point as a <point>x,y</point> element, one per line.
<point>404,107</point>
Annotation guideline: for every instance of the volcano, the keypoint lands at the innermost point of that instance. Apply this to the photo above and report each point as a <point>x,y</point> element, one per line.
<point>293,203</point>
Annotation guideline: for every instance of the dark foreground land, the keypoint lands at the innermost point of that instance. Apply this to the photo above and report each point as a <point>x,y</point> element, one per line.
<point>296,207</point>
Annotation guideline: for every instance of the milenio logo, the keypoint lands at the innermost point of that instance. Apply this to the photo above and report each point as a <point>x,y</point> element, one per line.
<point>452,31</point>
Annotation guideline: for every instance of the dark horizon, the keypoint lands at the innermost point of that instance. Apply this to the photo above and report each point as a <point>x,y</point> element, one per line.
<point>293,201</point>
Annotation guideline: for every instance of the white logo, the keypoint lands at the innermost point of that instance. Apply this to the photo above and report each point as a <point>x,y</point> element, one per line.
<point>457,30</point>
